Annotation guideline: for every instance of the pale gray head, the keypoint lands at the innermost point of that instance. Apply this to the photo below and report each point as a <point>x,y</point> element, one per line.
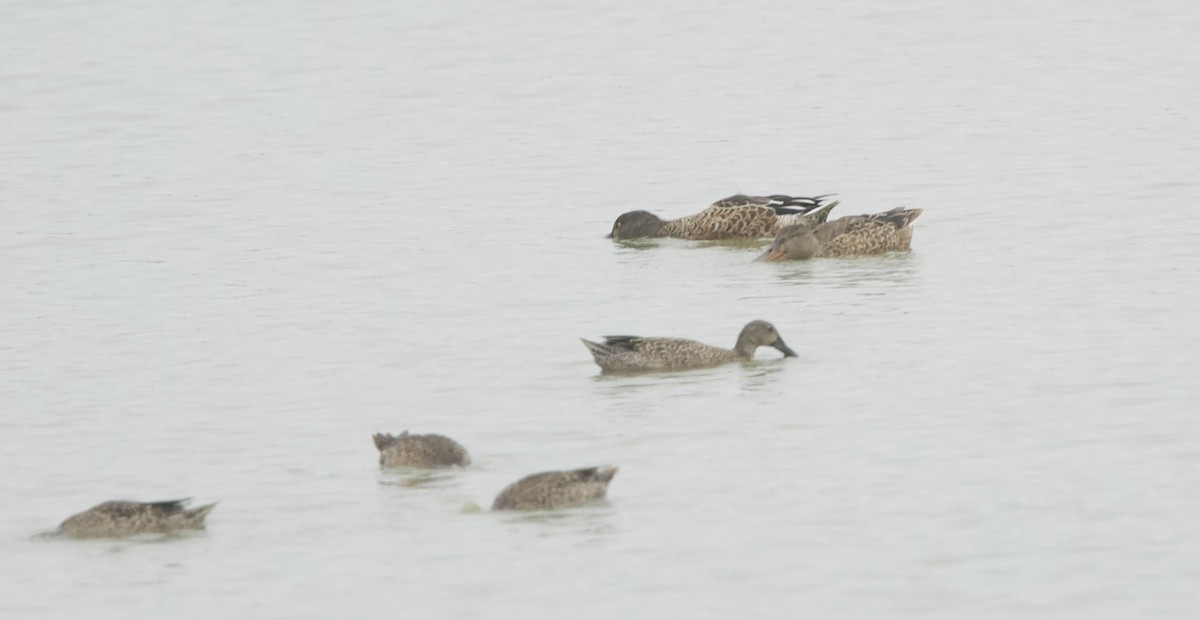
<point>761,334</point>
<point>636,224</point>
<point>795,242</point>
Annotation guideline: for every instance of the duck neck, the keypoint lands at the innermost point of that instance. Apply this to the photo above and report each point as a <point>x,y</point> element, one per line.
<point>744,347</point>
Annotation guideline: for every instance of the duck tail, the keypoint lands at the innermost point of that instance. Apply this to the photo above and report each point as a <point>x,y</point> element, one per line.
<point>383,440</point>
<point>900,217</point>
<point>820,214</point>
<point>597,350</point>
<point>193,519</point>
<point>603,473</point>
<point>910,215</point>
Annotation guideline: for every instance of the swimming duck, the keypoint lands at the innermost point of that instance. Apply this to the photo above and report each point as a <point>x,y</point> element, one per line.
<point>636,354</point>
<point>734,217</point>
<point>848,236</point>
<point>123,518</point>
<point>555,489</point>
<point>431,450</point>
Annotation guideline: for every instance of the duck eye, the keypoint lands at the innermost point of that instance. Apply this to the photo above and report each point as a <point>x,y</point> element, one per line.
<point>618,224</point>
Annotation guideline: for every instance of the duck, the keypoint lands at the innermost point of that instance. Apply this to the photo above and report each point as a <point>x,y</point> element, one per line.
<point>738,216</point>
<point>637,354</point>
<point>853,235</point>
<point>556,489</point>
<point>432,450</point>
<point>125,518</point>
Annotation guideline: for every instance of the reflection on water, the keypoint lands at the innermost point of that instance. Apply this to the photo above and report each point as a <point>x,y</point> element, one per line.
<point>758,376</point>
<point>638,244</point>
<point>119,544</point>
<point>734,244</point>
<point>853,272</point>
<point>651,380</point>
<point>737,245</point>
<point>416,478</point>
<point>591,518</point>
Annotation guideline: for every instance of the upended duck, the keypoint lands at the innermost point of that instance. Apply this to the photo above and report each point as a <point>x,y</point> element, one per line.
<point>737,216</point>
<point>556,489</point>
<point>637,354</point>
<point>432,450</point>
<point>854,235</point>
<point>124,518</point>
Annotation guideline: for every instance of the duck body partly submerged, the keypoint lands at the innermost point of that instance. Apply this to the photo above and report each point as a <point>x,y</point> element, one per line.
<point>431,450</point>
<point>556,489</point>
<point>638,354</point>
<point>853,235</point>
<point>735,217</point>
<point>126,518</point>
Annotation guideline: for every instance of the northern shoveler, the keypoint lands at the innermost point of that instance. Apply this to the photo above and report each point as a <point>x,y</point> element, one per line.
<point>555,489</point>
<point>431,450</point>
<point>738,216</point>
<point>848,236</point>
<point>637,354</point>
<point>124,518</point>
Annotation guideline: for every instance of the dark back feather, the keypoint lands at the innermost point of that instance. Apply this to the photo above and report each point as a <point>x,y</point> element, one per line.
<point>789,205</point>
<point>622,343</point>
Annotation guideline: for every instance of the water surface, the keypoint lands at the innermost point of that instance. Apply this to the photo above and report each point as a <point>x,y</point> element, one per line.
<point>239,239</point>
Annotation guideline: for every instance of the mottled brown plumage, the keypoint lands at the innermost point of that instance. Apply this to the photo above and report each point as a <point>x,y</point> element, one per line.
<point>124,518</point>
<point>637,354</point>
<point>738,216</point>
<point>848,236</point>
<point>555,489</point>
<point>431,450</point>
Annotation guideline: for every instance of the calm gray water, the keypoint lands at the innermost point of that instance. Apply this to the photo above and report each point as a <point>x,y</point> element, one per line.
<point>238,238</point>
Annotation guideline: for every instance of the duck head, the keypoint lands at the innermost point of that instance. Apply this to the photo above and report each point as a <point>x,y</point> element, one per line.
<point>761,334</point>
<point>635,224</point>
<point>795,242</point>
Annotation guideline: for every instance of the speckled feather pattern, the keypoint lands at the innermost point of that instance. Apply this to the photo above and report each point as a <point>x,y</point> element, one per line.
<point>745,217</point>
<point>124,518</point>
<point>555,489</point>
<point>634,354</point>
<point>735,217</point>
<point>848,236</point>
<point>431,450</point>
<point>638,354</point>
<point>867,234</point>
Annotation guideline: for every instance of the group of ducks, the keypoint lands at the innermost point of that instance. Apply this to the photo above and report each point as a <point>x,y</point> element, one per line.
<point>801,229</point>
<point>541,491</point>
<point>801,226</point>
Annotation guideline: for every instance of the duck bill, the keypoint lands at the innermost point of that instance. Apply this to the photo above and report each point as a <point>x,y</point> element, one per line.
<point>770,256</point>
<point>783,348</point>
